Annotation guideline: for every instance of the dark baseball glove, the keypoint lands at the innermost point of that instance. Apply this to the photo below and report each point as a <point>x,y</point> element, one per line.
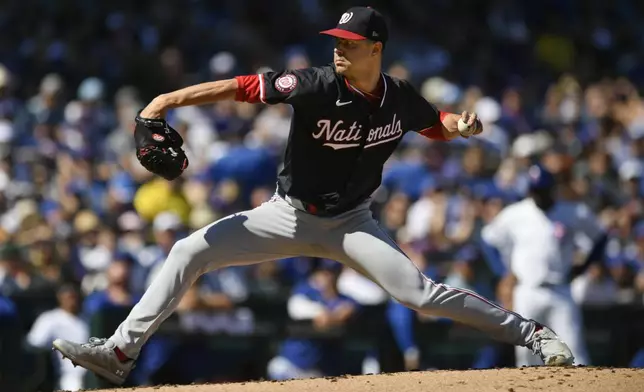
<point>158,147</point>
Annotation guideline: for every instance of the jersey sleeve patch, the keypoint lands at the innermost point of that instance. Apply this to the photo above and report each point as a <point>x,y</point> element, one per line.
<point>286,83</point>
<point>293,87</point>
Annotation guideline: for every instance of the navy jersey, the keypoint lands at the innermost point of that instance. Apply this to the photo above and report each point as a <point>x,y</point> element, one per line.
<point>339,141</point>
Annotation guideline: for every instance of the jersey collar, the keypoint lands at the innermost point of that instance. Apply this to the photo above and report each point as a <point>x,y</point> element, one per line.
<point>384,93</point>
<point>346,93</point>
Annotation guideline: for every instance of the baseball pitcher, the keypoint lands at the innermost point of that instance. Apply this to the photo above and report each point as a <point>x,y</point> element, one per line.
<point>348,118</point>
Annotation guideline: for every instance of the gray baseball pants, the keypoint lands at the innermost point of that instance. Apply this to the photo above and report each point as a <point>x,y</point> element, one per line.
<point>277,229</point>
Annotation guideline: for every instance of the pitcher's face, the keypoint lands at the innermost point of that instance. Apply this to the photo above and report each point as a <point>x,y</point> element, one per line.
<point>352,57</point>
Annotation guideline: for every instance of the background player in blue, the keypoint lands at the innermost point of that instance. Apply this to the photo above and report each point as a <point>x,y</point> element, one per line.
<point>348,118</point>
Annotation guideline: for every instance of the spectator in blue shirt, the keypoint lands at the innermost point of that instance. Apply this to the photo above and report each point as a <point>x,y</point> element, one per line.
<point>116,294</point>
<point>317,300</point>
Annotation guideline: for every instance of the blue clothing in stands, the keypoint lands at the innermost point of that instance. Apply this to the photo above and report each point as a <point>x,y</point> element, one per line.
<point>295,270</point>
<point>309,354</point>
<point>7,308</point>
<point>401,319</point>
<point>407,177</point>
<point>99,300</point>
<point>492,257</point>
<point>249,167</point>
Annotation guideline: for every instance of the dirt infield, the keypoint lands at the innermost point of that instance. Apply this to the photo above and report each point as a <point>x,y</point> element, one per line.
<point>508,380</point>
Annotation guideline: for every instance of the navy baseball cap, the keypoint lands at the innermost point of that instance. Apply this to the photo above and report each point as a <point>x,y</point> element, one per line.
<point>360,23</point>
<point>540,178</point>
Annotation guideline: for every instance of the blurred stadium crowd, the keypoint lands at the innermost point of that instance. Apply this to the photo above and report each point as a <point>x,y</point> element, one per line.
<point>556,82</point>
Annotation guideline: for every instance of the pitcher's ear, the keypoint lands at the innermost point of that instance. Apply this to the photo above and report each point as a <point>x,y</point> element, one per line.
<point>377,48</point>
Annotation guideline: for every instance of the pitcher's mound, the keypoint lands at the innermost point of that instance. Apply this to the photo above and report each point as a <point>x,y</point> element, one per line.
<point>581,379</point>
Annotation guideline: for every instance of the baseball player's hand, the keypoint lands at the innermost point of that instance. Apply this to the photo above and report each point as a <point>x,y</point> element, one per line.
<point>158,147</point>
<point>469,124</point>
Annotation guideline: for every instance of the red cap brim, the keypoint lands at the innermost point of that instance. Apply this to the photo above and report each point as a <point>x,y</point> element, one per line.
<point>343,34</point>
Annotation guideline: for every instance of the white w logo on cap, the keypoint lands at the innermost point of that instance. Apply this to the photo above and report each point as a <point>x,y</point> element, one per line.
<point>346,17</point>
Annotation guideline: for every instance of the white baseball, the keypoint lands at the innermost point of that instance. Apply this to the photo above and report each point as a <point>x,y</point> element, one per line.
<point>464,129</point>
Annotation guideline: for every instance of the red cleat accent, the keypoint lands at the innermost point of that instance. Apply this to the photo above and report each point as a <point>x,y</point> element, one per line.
<point>120,355</point>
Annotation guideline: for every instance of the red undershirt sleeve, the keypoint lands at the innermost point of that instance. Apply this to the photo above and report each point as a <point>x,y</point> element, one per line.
<point>248,89</point>
<point>435,132</point>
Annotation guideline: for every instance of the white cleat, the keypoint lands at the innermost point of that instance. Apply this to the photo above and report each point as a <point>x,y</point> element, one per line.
<point>97,356</point>
<point>552,350</point>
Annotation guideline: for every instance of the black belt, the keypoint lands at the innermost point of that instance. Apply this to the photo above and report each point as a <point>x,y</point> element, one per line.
<point>301,204</point>
<point>311,208</point>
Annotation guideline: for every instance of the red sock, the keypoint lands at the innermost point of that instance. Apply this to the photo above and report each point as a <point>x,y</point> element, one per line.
<point>120,355</point>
